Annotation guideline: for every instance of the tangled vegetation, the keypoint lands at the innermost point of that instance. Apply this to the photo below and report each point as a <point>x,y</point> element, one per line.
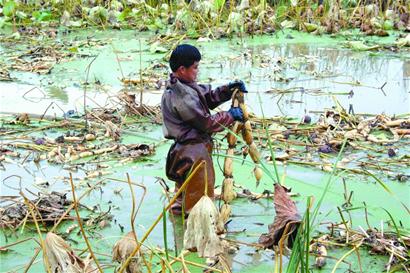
<point>211,18</point>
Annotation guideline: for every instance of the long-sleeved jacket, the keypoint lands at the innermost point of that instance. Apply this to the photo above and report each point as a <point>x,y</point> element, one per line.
<point>186,111</point>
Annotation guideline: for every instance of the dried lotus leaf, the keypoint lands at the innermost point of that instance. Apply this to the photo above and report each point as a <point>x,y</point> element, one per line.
<point>62,259</point>
<point>286,219</point>
<point>202,226</point>
<point>123,249</point>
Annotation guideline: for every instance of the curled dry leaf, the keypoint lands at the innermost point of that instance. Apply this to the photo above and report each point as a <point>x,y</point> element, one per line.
<point>122,250</point>
<point>23,118</point>
<point>61,258</point>
<point>202,227</point>
<point>320,252</point>
<point>286,214</point>
<point>112,130</point>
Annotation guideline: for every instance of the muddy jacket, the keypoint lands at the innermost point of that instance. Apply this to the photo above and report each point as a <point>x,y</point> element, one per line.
<point>187,120</point>
<point>186,111</point>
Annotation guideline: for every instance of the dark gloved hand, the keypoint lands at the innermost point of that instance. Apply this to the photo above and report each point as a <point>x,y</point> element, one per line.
<point>236,113</point>
<point>237,84</point>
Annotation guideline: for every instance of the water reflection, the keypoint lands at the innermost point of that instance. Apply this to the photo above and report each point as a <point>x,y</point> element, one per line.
<point>312,72</point>
<point>56,92</point>
<point>332,71</point>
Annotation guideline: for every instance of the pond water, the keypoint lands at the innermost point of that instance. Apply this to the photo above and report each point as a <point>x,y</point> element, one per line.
<point>291,75</point>
<point>311,74</point>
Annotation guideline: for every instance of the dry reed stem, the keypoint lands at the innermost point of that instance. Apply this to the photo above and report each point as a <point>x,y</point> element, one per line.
<point>125,264</point>
<point>177,259</point>
<point>80,224</point>
<point>32,260</point>
<point>134,213</point>
<point>30,207</point>
<point>72,205</point>
<point>346,254</point>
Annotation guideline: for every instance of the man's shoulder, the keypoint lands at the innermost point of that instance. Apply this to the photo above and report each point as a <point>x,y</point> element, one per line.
<point>178,94</point>
<point>180,89</point>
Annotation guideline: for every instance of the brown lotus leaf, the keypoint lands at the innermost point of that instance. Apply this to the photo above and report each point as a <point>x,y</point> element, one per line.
<point>123,249</point>
<point>136,150</point>
<point>112,130</point>
<point>23,118</point>
<point>320,251</point>
<point>287,219</point>
<point>61,258</point>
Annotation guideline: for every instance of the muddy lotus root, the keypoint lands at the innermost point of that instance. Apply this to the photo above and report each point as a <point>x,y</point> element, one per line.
<point>254,153</point>
<point>225,213</point>
<point>247,133</point>
<point>257,171</point>
<point>202,227</point>
<point>228,193</point>
<point>228,168</point>
<point>123,249</point>
<point>232,135</point>
<point>244,111</point>
<point>62,259</point>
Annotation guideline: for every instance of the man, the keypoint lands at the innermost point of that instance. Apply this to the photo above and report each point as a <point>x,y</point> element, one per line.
<point>187,120</point>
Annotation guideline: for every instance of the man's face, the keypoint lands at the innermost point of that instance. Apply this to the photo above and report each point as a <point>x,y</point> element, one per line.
<point>188,74</point>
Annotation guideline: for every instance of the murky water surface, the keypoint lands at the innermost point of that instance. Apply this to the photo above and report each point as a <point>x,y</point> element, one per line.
<point>291,76</point>
<point>284,77</point>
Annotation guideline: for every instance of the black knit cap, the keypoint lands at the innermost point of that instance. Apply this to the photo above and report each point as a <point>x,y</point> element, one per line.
<point>184,55</point>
